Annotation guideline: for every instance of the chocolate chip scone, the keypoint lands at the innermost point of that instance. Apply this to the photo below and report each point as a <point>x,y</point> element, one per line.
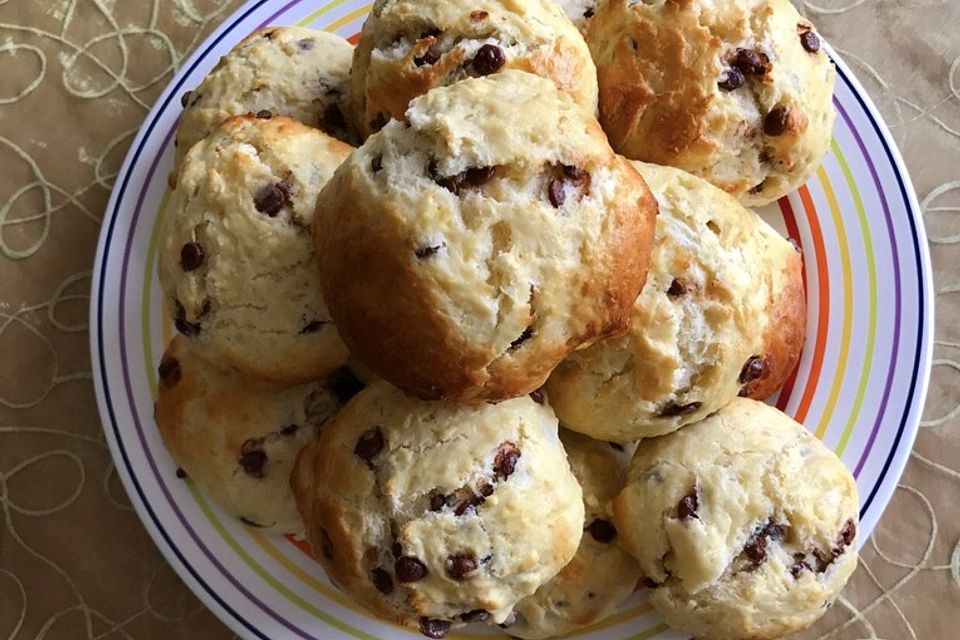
<point>434,514</point>
<point>474,245</point>
<point>238,439</point>
<point>723,313</point>
<point>289,71</point>
<point>601,576</point>
<point>735,91</point>
<point>743,523</point>
<point>408,47</point>
<point>236,259</point>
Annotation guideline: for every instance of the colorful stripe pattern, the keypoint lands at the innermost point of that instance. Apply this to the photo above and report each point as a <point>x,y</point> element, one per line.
<point>859,385</point>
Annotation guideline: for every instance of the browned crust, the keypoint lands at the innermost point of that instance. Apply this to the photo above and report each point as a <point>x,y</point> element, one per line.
<point>669,119</point>
<point>387,315</point>
<point>785,333</point>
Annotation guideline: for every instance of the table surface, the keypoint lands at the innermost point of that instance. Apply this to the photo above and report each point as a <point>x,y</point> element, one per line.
<point>76,79</point>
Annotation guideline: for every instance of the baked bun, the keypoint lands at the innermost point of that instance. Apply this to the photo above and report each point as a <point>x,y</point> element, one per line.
<point>288,71</point>
<point>723,313</point>
<point>467,252</point>
<point>601,576</point>
<point>745,523</point>
<point>238,439</point>
<point>434,514</point>
<point>408,47</point>
<point>738,92</point>
<point>236,259</point>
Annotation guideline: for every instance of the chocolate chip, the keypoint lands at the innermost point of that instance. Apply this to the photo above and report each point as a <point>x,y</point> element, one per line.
<point>376,164</point>
<point>557,192</point>
<point>192,256</point>
<point>753,369</point>
<point>464,499</point>
<point>181,473</point>
<point>751,63</point>
<point>430,57</point>
<point>369,444</point>
<point>649,583</point>
<point>848,533</point>
<point>326,544</point>
<point>757,188</point>
<point>188,329</point>
<point>312,327</point>
<point>756,549</point>
<point>272,198</point>
<point>432,32</point>
<point>343,384</point>
<point>289,430</point>
<point>306,44</point>
<point>776,122</point>
<point>489,59</point>
<point>732,81</point>
<point>382,581</point>
<point>537,396</point>
<point>673,409</point>
<point>427,251</point>
<point>477,176</point>
<point>379,122</point>
<point>409,569</point>
<point>264,114</point>
<point>810,41</point>
<point>677,288</point>
<point>523,337</point>
<point>773,531</point>
<point>616,445</point>
<point>484,488</point>
<point>799,565</point>
<point>253,458</point>
<point>602,530</point>
<point>438,501</point>
<point>433,628</point>
<point>588,13</point>
<point>505,460</point>
<point>396,550</point>
<point>460,565</point>
<point>476,615</point>
<point>689,505</point>
<point>169,371</point>
<point>333,119</point>
<point>185,99</point>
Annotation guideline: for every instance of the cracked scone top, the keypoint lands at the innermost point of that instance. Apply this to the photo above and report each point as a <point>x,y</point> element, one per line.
<point>236,258</point>
<point>238,439</point>
<point>723,313</point>
<point>745,521</point>
<point>291,71</point>
<point>408,47</point>
<point>434,514</point>
<point>735,91</point>
<point>474,248</point>
<point>601,576</point>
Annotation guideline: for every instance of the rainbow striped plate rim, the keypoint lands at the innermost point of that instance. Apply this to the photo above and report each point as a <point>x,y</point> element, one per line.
<point>860,385</point>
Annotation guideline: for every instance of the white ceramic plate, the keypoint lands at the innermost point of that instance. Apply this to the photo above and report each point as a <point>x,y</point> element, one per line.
<point>860,385</point>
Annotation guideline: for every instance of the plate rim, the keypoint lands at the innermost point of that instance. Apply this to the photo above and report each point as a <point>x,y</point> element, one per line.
<point>882,494</point>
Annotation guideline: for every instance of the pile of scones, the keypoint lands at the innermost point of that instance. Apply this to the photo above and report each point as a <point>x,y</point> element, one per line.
<point>477,307</point>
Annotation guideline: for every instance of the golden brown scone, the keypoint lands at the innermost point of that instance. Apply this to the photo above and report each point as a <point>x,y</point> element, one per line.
<point>723,313</point>
<point>465,255</point>
<point>290,71</point>
<point>738,92</point>
<point>237,438</point>
<point>744,523</point>
<point>601,576</point>
<point>236,259</point>
<point>410,46</point>
<point>434,514</point>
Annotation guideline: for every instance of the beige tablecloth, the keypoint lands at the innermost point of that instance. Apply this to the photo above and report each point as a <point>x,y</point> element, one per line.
<point>76,79</point>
